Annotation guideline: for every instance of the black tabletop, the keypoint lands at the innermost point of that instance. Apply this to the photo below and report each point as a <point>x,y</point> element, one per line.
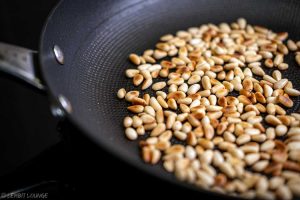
<point>41,154</point>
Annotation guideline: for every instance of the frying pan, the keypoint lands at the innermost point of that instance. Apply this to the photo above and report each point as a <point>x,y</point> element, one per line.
<point>85,45</point>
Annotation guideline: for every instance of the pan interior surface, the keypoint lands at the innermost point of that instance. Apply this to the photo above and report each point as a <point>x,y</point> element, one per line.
<point>98,37</point>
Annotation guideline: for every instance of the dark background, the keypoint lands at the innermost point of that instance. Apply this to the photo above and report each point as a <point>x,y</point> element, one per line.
<point>42,154</point>
<point>27,126</point>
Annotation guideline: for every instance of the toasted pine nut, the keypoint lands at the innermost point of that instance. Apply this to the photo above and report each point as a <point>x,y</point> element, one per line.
<point>136,108</point>
<point>134,59</point>
<point>162,102</point>
<point>158,130</point>
<point>285,101</point>
<point>140,130</point>
<point>273,120</point>
<point>158,85</point>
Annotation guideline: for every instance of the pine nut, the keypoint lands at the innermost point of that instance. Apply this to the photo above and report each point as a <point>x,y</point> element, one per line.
<point>134,59</point>
<point>250,147</point>
<point>127,122</point>
<point>278,59</point>
<point>155,104</point>
<point>137,121</point>
<point>280,84</point>
<point>242,139</point>
<point>252,131</point>
<point>258,71</point>
<point>273,120</point>
<point>260,165</point>
<point>251,158</point>
<point>283,66</point>
<point>193,89</point>
<point>294,155</point>
<point>206,83</point>
<point>140,130</point>
<point>194,79</point>
<point>146,97</point>
<point>292,92</point>
<point>147,83</point>
<point>270,132</point>
<point>297,58</point>
<point>277,75</point>
<point>121,93</point>
<point>267,145</point>
<point>227,169</point>
<point>287,102</point>
<point>158,85</point>
<point>159,116</point>
<point>176,95</point>
<point>269,79</point>
<point>162,102</point>
<point>130,95</point>
<point>283,192</point>
<point>293,131</point>
<point>269,63</point>
<point>136,108</point>
<point>259,137</point>
<point>292,45</point>
<point>262,184</point>
<point>281,130</point>
<point>131,134</point>
<point>294,145</point>
<point>138,101</point>
<point>149,110</point>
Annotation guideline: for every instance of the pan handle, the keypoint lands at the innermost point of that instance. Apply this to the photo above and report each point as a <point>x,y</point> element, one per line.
<point>23,64</point>
<point>20,62</point>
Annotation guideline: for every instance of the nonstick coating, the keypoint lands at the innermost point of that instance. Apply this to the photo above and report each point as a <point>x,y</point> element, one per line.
<point>97,37</point>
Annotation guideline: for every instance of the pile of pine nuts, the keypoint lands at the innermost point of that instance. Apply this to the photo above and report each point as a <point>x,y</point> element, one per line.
<point>214,96</point>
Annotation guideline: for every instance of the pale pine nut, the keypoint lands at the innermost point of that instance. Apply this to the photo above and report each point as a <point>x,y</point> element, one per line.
<point>131,134</point>
<point>127,122</point>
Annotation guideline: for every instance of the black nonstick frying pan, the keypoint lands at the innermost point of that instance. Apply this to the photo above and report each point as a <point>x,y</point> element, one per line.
<point>85,46</point>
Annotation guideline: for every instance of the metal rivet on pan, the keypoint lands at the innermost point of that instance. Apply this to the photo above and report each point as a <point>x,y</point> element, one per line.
<point>58,54</point>
<point>65,103</point>
<point>57,111</point>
